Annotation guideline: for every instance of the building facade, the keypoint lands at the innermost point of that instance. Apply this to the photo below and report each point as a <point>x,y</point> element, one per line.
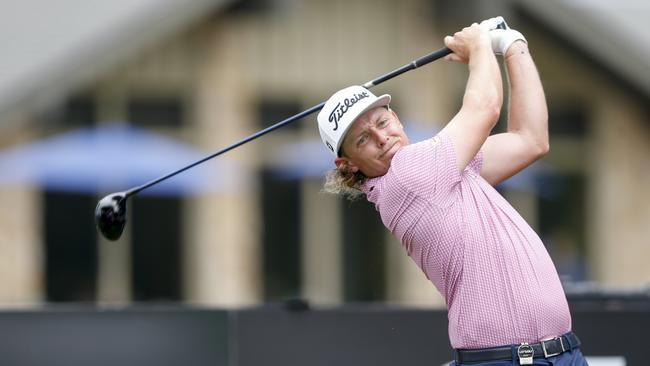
<point>275,236</point>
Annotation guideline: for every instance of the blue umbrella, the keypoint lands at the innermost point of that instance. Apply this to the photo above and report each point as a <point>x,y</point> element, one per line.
<point>114,157</point>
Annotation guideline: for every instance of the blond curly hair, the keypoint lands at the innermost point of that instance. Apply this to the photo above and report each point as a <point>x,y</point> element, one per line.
<point>343,182</point>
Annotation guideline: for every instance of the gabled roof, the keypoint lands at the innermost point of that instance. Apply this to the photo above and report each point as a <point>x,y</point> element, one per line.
<point>615,33</point>
<point>50,47</point>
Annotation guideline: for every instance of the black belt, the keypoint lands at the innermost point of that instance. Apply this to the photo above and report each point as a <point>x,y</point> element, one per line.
<point>524,352</point>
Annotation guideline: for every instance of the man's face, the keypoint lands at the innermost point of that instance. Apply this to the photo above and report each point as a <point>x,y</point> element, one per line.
<point>371,142</point>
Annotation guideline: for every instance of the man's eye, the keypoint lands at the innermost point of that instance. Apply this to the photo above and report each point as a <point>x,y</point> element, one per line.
<point>361,140</point>
<point>382,123</point>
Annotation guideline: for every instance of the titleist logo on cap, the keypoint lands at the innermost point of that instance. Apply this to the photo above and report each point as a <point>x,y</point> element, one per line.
<point>343,107</point>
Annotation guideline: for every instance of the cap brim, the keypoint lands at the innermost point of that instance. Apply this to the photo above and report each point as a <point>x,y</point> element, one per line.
<point>382,100</point>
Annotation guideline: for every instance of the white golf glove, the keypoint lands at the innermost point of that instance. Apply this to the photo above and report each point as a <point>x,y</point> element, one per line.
<point>502,39</point>
<point>492,23</point>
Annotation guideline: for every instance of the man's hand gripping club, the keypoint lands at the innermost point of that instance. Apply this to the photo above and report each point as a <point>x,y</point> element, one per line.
<point>501,34</point>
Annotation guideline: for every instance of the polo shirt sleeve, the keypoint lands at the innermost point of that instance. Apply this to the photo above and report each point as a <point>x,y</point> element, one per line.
<point>476,163</point>
<point>429,169</point>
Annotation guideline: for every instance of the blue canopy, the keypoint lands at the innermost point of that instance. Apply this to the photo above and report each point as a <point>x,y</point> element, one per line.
<point>114,157</point>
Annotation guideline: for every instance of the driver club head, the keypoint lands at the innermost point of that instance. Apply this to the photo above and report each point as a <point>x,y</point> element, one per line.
<point>110,215</point>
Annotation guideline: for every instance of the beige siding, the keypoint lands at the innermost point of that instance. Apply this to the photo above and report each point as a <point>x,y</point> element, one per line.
<point>304,51</point>
<point>21,250</point>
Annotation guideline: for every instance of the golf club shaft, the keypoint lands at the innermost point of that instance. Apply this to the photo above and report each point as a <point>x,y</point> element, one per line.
<point>410,66</point>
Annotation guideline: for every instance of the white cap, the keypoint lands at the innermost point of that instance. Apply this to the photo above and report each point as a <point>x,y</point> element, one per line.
<point>340,112</point>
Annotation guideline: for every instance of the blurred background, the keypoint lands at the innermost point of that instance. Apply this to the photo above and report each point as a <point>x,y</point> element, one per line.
<point>99,96</point>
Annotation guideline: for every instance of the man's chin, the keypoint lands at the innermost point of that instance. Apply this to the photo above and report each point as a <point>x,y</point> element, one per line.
<point>388,155</point>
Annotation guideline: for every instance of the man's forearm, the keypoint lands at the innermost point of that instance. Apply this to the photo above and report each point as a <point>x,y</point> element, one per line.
<point>484,86</point>
<point>527,110</point>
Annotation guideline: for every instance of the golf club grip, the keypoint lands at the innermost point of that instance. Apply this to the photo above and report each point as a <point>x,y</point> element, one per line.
<point>410,66</point>
<point>432,56</point>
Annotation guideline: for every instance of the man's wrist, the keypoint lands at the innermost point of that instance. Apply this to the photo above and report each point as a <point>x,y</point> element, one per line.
<point>480,51</point>
<point>518,47</point>
<point>483,44</point>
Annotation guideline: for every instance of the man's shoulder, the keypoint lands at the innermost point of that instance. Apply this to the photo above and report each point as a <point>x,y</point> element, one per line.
<point>405,154</point>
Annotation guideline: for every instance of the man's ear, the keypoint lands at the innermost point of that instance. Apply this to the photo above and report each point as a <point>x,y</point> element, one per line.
<point>346,164</point>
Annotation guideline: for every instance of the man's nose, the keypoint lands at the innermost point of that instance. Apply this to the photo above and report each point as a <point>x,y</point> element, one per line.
<point>380,137</point>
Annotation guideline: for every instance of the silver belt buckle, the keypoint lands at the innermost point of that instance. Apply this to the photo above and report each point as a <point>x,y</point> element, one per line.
<point>546,354</point>
<point>525,353</point>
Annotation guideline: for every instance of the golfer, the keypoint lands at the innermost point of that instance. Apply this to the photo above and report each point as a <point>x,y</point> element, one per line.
<point>506,305</point>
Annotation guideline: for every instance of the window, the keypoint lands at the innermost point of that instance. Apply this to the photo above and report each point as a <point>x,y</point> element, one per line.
<point>156,233</point>
<point>248,7</point>
<point>70,247</point>
<point>568,122</point>
<point>562,192</point>
<point>363,252</point>
<point>156,112</point>
<point>80,111</point>
<point>562,223</point>
<point>281,236</point>
<point>272,112</point>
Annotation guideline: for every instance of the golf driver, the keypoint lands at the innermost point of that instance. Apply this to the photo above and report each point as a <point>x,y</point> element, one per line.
<point>110,213</point>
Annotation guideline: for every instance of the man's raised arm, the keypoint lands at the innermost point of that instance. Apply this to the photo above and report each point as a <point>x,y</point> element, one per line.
<point>526,139</point>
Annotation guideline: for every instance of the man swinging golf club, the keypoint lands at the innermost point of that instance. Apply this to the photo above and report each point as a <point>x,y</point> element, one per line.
<point>505,301</point>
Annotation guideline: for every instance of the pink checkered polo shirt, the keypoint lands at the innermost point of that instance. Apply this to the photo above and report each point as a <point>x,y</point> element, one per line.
<point>498,280</point>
